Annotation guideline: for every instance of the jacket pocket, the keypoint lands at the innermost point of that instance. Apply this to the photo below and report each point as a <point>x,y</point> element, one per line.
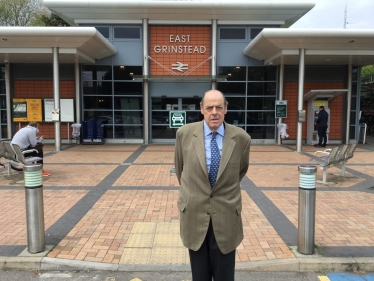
<point>181,205</point>
<point>239,208</point>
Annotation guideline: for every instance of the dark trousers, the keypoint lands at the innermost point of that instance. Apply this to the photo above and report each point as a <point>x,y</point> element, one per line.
<point>208,262</point>
<point>39,148</point>
<point>322,135</point>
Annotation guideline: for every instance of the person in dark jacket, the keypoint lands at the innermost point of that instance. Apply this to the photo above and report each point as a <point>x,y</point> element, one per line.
<point>321,122</point>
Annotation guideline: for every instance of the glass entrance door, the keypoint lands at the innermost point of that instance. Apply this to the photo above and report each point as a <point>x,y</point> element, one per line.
<point>160,109</point>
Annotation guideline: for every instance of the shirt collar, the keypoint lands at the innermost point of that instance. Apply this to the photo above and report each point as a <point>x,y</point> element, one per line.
<point>220,130</point>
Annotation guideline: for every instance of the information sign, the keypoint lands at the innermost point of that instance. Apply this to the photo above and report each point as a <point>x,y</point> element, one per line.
<point>281,109</point>
<point>34,110</point>
<point>177,119</point>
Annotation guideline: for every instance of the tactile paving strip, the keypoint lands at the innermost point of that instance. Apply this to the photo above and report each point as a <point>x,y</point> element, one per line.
<point>144,227</point>
<point>168,228</point>
<point>168,240</point>
<point>136,256</point>
<point>142,240</point>
<point>168,256</point>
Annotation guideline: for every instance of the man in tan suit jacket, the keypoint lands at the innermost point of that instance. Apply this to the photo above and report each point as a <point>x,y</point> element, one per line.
<point>210,216</point>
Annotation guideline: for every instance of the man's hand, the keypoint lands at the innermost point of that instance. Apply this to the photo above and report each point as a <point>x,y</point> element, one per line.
<point>40,139</point>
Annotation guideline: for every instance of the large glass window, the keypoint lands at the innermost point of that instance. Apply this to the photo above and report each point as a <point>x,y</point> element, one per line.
<point>111,95</point>
<point>104,30</point>
<point>255,32</point>
<point>236,33</point>
<point>3,116</point>
<point>125,32</point>
<point>354,123</point>
<point>251,95</point>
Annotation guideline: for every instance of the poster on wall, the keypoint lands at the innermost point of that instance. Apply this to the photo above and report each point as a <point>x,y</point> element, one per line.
<point>27,110</point>
<point>19,110</point>
<point>34,110</point>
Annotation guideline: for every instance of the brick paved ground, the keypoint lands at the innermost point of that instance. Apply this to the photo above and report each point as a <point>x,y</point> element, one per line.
<point>13,218</point>
<point>131,214</point>
<point>343,218</point>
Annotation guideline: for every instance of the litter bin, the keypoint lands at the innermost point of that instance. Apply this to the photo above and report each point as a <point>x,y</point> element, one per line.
<point>307,209</point>
<point>34,208</point>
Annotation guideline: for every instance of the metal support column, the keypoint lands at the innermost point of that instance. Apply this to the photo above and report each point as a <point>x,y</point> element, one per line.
<point>146,99</point>
<point>281,81</point>
<point>349,100</point>
<point>8,103</point>
<point>56,96</point>
<point>77,91</point>
<point>214,53</point>
<point>300,99</point>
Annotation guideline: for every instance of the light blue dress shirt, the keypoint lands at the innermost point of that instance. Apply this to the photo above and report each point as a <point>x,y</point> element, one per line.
<point>208,139</point>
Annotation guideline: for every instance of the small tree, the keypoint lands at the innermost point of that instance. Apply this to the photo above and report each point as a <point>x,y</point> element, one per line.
<point>20,12</point>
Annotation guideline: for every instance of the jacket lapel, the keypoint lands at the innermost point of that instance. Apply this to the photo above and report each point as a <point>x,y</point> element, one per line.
<point>227,149</point>
<point>198,143</point>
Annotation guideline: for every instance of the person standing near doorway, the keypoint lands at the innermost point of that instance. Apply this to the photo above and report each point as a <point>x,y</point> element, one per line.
<point>211,158</point>
<point>322,122</point>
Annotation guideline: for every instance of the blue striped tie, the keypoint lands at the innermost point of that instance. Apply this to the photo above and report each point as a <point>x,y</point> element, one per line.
<point>215,158</point>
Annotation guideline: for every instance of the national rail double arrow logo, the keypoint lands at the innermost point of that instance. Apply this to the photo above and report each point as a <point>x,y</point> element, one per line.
<point>179,66</point>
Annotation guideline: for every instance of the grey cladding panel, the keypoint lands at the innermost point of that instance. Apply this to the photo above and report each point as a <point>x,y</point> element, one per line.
<point>178,89</point>
<point>128,53</point>
<point>231,54</point>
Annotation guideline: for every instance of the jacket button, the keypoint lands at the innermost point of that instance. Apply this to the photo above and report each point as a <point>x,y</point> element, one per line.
<point>211,196</point>
<point>208,213</point>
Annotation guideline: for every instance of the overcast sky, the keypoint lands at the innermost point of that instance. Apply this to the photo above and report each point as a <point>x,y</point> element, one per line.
<point>330,14</point>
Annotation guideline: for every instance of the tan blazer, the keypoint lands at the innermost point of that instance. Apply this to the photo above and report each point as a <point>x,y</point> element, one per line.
<point>198,202</point>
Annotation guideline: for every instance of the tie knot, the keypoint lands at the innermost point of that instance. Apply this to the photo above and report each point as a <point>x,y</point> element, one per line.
<point>214,134</point>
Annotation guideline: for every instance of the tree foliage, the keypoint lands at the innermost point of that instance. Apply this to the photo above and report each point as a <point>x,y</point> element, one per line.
<point>367,70</point>
<point>20,12</point>
<point>49,20</point>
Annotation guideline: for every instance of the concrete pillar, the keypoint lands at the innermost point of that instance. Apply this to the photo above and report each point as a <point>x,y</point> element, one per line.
<point>8,100</point>
<point>214,53</point>
<point>56,96</point>
<point>349,101</point>
<point>77,93</point>
<point>146,99</point>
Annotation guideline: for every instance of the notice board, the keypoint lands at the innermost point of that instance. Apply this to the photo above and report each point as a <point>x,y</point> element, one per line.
<point>66,110</point>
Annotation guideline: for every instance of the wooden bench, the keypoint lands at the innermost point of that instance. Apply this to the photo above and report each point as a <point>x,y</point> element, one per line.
<point>15,156</point>
<point>335,157</point>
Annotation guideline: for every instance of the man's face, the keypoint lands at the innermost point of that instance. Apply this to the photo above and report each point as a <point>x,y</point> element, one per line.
<point>213,109</point>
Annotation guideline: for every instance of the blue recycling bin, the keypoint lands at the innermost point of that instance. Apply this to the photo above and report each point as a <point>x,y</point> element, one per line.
<point>98,132</point>
<point>92,132</point>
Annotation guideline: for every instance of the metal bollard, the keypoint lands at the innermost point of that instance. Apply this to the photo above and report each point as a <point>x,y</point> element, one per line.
<point>34,208</point>
<point>307,209</point>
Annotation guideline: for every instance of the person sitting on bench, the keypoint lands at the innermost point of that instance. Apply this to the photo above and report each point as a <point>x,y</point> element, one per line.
<point>26,139</point>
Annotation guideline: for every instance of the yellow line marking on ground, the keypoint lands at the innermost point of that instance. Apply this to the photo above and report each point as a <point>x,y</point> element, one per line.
<point>323,278</point>
<point>135,279</point>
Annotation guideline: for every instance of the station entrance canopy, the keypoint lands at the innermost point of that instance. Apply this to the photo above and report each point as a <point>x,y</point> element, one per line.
<point>322,46</point>
<point>35,44</point>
